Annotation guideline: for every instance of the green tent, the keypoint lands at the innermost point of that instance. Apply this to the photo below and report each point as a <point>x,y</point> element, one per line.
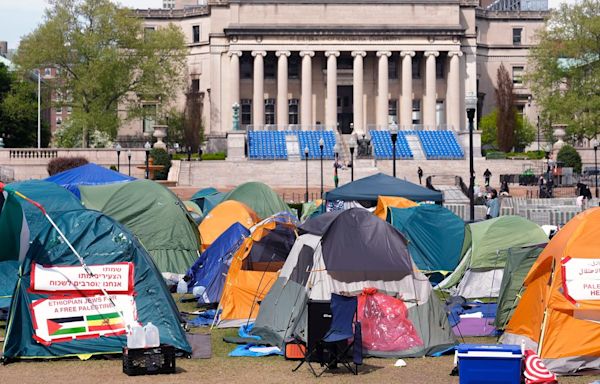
<point>258,196</point>
<point>14,231</point>
<point>518,263</point>
<point>57,307</point>
<point>155,215</point>
<point>480,270</point>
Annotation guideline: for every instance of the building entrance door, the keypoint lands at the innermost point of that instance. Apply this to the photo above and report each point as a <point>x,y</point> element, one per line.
<point>345,114</point>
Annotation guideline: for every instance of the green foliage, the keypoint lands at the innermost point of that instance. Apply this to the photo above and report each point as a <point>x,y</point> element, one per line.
<point>214,156</point>
<point>174,119</point>
<point>506,122</point>
<point>488,129</point>
<point>113,168</point>
<point>524,135</point>
<point>105,61</point>
<point>531,155</point>
<point>70,136</point>
<point>61,164</point>
<point>570,158</point>
<point>161,157</point>
<point>495,155</point>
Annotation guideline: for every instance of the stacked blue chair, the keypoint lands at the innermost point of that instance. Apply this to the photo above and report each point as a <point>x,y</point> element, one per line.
<point>267,145</point>
<point>382,145</point>
<point>311,139</point>
<point>440,145</point>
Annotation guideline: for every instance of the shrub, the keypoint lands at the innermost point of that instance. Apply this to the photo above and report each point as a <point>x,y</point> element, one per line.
<point>61,164</point>
<point>570,158</point>
<point>214,156</point>
<point>495,155</point>
<point>161,157</point>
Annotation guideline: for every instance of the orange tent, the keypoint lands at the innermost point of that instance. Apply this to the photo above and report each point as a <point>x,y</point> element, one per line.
<point>384,202</point>
<point>254,268</point>
<point>222,217</point>
<point>559,312</point>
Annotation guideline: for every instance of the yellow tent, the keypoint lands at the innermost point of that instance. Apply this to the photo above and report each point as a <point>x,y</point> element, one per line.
<point>222,217</point>
<point>385,202</point>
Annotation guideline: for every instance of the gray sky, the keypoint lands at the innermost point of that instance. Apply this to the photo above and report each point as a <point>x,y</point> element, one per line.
<point>19,17</point>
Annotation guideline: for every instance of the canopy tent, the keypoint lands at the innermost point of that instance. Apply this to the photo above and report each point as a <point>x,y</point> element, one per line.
<point>259,197</point>
<point>155,215</point>
<point>386,202</point>
<point>222,217</point>
<point>481,267</point>
<point>337,263</point>
<point>557,313</point>
<point>435,235</point>
<point>253,269</point>
<point>207,199</point>
<point>89,174</point>
<point>57,312</point>
<point>371,187</point>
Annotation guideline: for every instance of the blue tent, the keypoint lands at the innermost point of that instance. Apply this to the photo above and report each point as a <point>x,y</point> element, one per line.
<point>210,270</point>
<point>89,174</point>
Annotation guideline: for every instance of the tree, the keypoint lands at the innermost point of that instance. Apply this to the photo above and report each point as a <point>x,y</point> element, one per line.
<point>570,158</point>
<point>524,132</point>
<point>192,126</point>
<point>564,69</point>
<point>107,64</point>
<point>506,118</point>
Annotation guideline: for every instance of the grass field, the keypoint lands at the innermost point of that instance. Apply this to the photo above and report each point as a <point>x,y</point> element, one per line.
<point>223,369</point>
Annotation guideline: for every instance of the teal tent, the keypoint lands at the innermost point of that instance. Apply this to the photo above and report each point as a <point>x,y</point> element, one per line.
<point>57,307</point>
<point>207,199</point>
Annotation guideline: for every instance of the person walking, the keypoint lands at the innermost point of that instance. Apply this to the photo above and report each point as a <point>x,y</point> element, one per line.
<point>486,175</point>
<point>420,173</point>
<point>493,205</point>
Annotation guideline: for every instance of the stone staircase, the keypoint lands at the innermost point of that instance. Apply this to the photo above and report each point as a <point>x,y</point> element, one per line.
<point>415,146</point>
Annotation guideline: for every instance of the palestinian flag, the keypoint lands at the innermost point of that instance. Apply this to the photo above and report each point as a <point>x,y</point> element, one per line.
<point>105,322</point>
<point>66,326</point>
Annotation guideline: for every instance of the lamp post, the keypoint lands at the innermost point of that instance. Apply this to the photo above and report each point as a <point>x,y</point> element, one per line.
<point>321,145</point>
<point>39,109</point>
<point>595,144</point>
<point>306,174</point>
<point>352,145</point>
<point>394,134</point>
<point>118,149</point>
<point>147,150</point>
<point>129,161</point>
<point>538,129</point>
<point>471,106</point>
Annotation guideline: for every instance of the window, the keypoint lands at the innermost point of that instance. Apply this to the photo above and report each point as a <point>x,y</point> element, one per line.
<point>293,111</point>
<point>520,110</point>
<point>47,71</point>
<point>294,67</point>
<point>416,67</point>
<point>439,68</point>
<point>59,109</point>
<point>517,35</point>
<point>148,31</point>
<point>270,66</point>
<point>393,111</point>
<point>69,110</point>
<point>416,112</point>
<point>246,114</point>
<point>149,118</point>
<point>196,33</point>
<point>269,111</point>
<point>392,68</point>
<point>246,66</point>
<point>517,75</point>
<point>195,85</point>
<point>58,121</point>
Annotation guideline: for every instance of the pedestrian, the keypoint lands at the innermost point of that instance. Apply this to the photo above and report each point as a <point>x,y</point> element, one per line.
<point>504,190</point>
<point>542,191</point>
<point>487,174</point>
<point>420,173</point>
<point>336,166</point>
<point>493,205</point>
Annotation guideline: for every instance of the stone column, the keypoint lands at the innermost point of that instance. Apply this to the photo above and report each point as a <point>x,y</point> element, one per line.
<point>331,103</point>
<point>406,97</point>
<point>453,98</point>
<point>306,96</point>
<point>383,90</point>
<point>282,88</point>
<point>258,96</point>
<point>235,77</point>
<point>429,98</point>
<point>357,91</point>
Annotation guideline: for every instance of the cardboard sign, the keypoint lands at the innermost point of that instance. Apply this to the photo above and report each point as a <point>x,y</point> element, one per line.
<point>581,278</point>
<point>114,278</point>
<point>65,319</point>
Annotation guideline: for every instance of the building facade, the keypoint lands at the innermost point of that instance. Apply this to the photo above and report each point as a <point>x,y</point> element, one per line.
<point>348,64</point>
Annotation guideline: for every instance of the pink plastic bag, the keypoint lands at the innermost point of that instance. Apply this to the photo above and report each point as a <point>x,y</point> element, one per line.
<point>385,325</point>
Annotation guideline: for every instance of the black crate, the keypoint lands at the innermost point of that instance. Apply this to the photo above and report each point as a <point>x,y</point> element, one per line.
<point>149,361</point>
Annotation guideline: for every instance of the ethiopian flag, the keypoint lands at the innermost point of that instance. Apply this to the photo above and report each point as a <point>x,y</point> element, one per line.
<point>66,326</point>
<point>105,322</point>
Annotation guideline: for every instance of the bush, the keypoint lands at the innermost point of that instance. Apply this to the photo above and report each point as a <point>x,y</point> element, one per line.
<point>161,157</point>
<point>61,164</point>
<point>214,156</point>
<point>495,155</point>
<point>570,158</point>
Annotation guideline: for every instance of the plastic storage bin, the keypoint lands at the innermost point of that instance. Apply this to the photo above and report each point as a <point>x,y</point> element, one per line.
<point>489,363</point>
<point>149,361</point>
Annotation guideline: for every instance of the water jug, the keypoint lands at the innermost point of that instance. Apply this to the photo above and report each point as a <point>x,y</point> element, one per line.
<point>136,337</point>
<point>152,336</point>
<point>182,286</point>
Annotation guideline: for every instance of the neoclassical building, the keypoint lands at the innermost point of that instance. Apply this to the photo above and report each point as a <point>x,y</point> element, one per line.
<point>349,64</point>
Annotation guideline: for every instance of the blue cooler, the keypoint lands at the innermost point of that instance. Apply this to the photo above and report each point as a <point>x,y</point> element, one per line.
<point>489,363</point>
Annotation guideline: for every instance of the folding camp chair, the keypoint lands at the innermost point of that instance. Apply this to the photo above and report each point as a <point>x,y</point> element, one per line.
<point>343,336</point>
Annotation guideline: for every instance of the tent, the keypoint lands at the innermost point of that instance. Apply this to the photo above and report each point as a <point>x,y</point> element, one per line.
<point>356,251</point>
<point>192,207</point>
<point>371,187</point>
<point>259,197</point>
<point>207,275</point>
<point>155,215</point>
<point>519,261</point>
<point>14,229</point>
<point>253,269</point>
<point>481,267</point>
<point>558,312</point>
<point>435,235</point>
<point>386,202</point>
<point>207,198</point>
<point>58,309</point>
<point>89,174</point>
<point>222,217</point>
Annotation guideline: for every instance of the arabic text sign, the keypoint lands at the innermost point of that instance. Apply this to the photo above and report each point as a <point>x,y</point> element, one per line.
<point>581,278</point>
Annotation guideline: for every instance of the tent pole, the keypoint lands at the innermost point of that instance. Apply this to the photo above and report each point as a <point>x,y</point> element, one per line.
<point>544,322</point>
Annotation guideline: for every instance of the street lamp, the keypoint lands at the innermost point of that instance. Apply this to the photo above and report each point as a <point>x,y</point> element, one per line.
<point>321,144</point>
<point>538,128</point>
<point>129,160</point>
<point>394,134</point>
<point>147,147</point>
<point>118,149</point>
<point>595,144</point>
<point>352,145</point>
<point>336,150</point>
<point>306,175</point>
<point>471,106</point>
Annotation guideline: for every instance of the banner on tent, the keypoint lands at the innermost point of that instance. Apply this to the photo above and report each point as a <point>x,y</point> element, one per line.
<point>581,278</point>
<point>83,317</point>
<point>114,278</point>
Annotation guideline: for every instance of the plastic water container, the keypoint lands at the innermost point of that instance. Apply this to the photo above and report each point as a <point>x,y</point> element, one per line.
<point>136,338</point>
<point>182,286</point>
<point>152,336</point>
<point>198,291</point>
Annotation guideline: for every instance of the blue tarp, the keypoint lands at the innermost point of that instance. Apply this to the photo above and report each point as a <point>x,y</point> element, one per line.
<point>210,270</point>
<point>89,174</point>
